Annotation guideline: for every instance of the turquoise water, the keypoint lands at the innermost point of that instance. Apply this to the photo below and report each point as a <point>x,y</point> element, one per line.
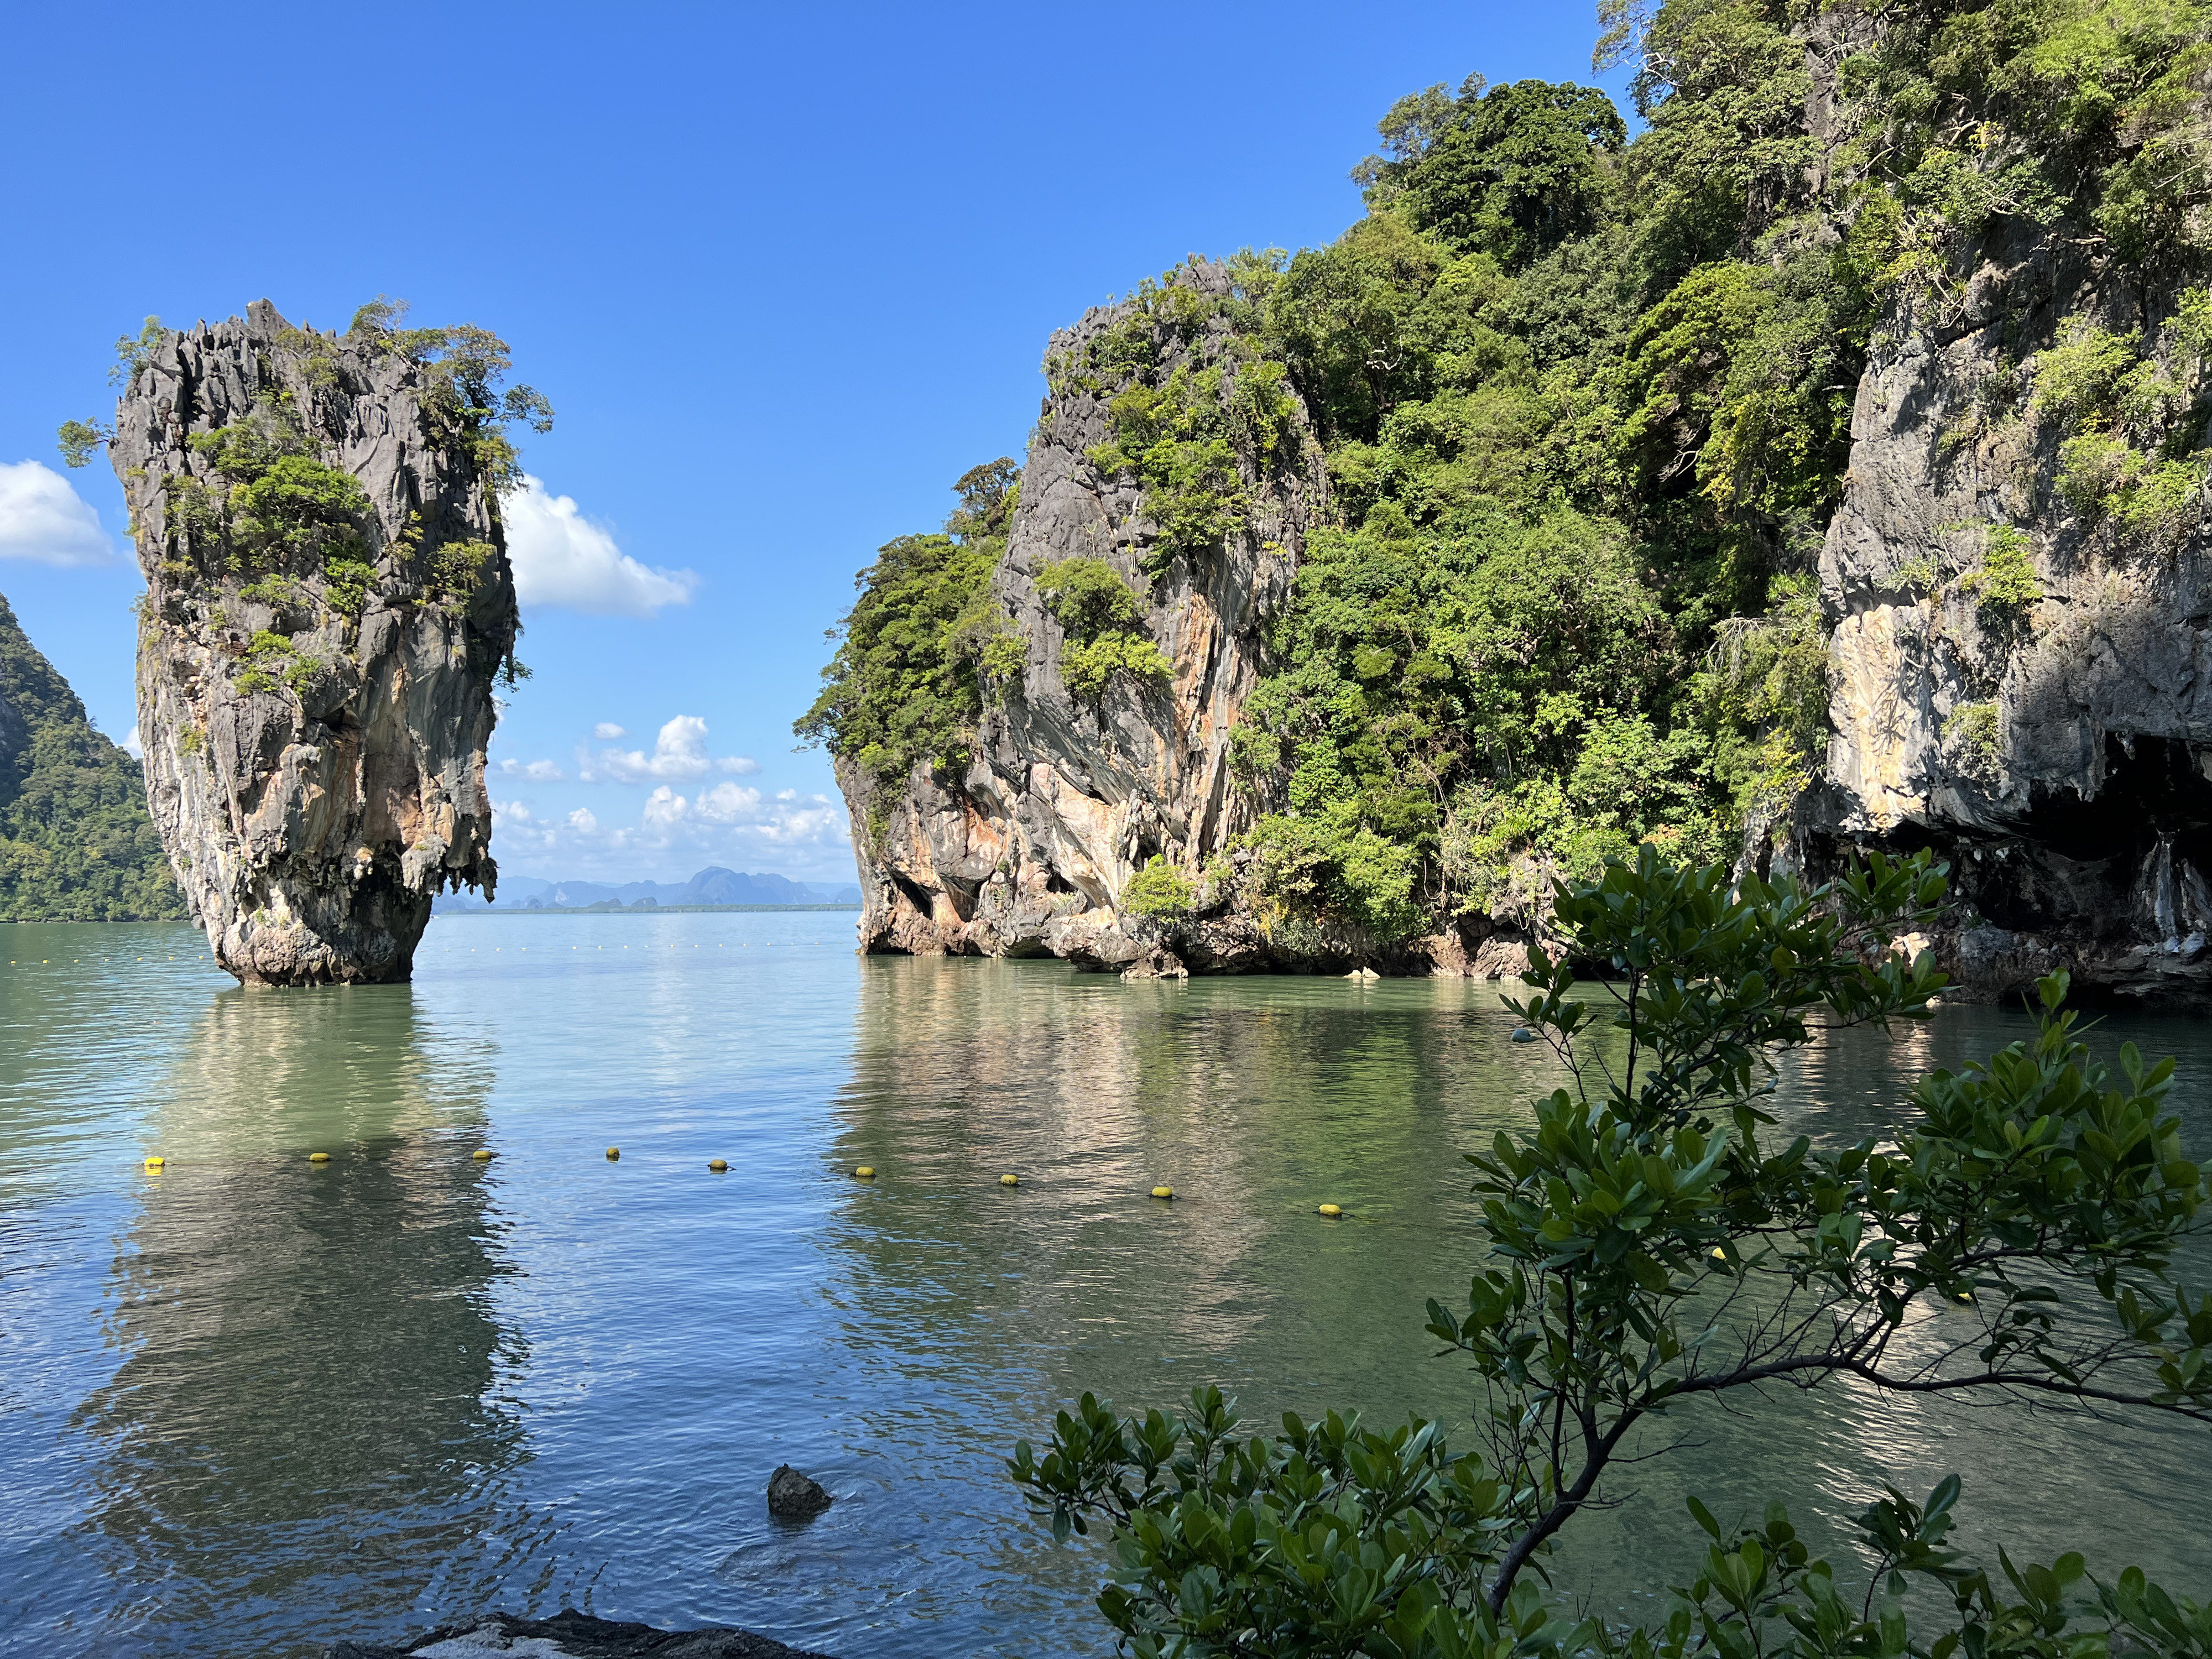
<point>250,1405</point>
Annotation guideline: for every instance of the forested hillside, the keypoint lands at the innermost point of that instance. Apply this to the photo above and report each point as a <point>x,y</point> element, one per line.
<point>76,844</point>
<point>1585,404</point>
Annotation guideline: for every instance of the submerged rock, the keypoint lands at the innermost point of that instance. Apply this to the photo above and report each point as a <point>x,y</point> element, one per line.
<point>329,600</point>
<point>571,1635</point>
<point>794,1496</point>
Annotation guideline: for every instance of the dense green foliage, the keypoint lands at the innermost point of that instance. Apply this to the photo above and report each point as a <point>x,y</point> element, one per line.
<point>1585,400</point>
<point>1102,626</point>
<point>76,843</point>
<point>923,641</point>
<point>1645,1254</point>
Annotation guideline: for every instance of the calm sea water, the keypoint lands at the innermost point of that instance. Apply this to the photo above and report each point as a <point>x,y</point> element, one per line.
<point>251,1404</point>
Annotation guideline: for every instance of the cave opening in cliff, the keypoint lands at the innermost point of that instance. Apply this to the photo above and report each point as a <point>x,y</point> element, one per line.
<point>2087,866</point>
<point>2152,788</point>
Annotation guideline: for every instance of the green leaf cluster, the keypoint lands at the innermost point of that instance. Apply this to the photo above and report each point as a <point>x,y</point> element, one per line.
<point>1102,623</point>
<point>1195,403</point>
<point>459,369</point>
<point>1646,1245</point>
<point>272,663</point>
<point>923,642</point>
<point>1158,889</point>
<point>287,511</point>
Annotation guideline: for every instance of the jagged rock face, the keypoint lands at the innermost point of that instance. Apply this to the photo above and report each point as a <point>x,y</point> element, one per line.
<point>1027,852</point>
<point>2058,757</point>
<point>315,669</point>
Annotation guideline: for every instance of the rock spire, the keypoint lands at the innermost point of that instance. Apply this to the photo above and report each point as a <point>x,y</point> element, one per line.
<point>329,603</point>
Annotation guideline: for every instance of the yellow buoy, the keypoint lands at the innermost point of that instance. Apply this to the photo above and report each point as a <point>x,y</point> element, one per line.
<point>866,1172</point>
<point>1331,1210</point>
<point>153,1162</point>
<point>717,1164</point>
<point>614,1154</point>
<point>1962,1295</point>
<point>481,1154</point>
<point>1717,1254</point>
<point>1163,1192</point>
<point>318,1158</point>
<point>1010,1181</point>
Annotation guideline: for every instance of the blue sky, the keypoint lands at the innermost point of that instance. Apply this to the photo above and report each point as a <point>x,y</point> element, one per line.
<point>785,273</point>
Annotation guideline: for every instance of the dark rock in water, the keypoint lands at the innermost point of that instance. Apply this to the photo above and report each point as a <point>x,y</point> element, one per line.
<point>793,1496</point>
<point>1523,1034</point>
<point>572,1635</point>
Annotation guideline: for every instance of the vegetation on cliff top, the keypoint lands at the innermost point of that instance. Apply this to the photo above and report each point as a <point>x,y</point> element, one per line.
<point>76,843</point>
<point>292,527</point>
<point>906,684</point>
<point>1584,404</point>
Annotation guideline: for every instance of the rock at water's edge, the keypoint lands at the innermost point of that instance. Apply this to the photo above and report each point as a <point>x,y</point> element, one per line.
<point>572,1635</point>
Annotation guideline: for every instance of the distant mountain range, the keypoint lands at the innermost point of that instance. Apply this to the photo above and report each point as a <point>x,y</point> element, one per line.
<point>713,886</point>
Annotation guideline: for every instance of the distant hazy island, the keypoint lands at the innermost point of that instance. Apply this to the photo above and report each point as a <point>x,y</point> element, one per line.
<point>714,888</point>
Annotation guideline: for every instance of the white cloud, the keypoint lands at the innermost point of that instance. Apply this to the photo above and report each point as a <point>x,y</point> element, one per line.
<point>679,752</point>
<point>516,825</point>
<point>583,823</point>
<point>561,558</point>
<point>726,803</point>
<point>42,518</point>
<point>729,817</point>
<point>607,732</point>
<point>538,771</point>
<point>132,746</point>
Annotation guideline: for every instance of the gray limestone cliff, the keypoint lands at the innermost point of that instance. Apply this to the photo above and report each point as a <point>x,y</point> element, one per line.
<point>1028,852</point>
<point>2019,658</point>
<point>329,602</point>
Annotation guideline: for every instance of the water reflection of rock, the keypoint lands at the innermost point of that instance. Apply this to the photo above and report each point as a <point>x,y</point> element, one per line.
<point>305,1413</point>
<point>1254,1109</point>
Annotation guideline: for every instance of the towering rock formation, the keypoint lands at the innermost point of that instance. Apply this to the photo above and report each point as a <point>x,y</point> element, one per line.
<point>1069,794</point>
<point>2019,664</point>
<point>329,601</point>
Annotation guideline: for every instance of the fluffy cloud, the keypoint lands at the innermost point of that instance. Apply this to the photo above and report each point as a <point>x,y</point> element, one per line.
<point>42,518</point>
<point>132,746</point>
<point>561,558</point>
<point>727,803</point>
<point>607,732</point>
<point>679,752</point>
<point>583,823</point>
<point>538,771</point>
<point>515,823</point>
<point>730,815</point>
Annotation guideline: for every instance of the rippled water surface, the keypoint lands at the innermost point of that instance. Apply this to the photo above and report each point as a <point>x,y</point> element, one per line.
<point>252,1404</point>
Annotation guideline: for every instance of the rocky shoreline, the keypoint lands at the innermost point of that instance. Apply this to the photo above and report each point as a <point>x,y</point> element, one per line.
<point>572,1635</point>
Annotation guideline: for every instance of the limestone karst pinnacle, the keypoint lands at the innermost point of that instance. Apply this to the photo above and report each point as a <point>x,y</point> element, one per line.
<point>329,603</point>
